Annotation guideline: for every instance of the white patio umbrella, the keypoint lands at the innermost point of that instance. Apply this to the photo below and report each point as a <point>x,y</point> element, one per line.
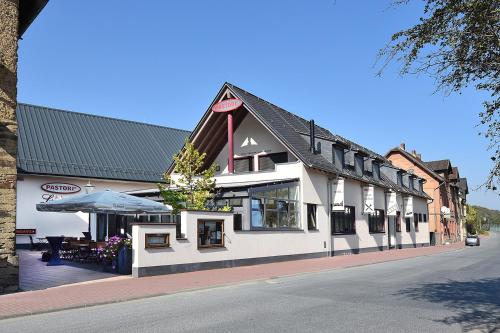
<point>108,201</point>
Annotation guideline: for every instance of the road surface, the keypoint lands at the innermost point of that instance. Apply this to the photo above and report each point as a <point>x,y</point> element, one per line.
<point>448,292</point>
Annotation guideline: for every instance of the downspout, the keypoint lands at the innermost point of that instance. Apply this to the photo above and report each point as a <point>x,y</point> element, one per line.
<point>329,222</point>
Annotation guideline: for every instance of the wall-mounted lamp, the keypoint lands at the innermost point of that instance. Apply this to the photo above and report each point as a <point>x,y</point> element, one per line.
<point>89,188</point>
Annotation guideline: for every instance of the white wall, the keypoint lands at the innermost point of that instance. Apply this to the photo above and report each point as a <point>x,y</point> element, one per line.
<point>251,139</point>
<point>238,245</point>
<point>29,193</point>
<point>353,196</point>
<point>412,237</point>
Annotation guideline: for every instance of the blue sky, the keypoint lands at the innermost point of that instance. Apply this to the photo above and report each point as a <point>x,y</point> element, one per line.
<point>162,62</point>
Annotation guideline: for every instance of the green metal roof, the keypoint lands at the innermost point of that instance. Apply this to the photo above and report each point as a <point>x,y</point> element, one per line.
<point>58,142</point>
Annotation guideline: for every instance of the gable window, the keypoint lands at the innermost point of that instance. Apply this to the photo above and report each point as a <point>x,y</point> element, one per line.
<point>268,162</point>
<point>210,233</point>
<point>376,221</point>
<point>415,221</point>
<point>311,217</point>
<point>243,164</point>
<point>275,207</point>
<point>344,222</point>
<point>398,221</point>
<point>408,224</point>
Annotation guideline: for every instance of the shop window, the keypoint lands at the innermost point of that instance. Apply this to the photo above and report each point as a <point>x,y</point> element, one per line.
<point>275,207</point>
<point>343,222</point>
<point>210,233</point>
<point>157,241</point>
<point>243,164</point>
<point>268,162</point>
<point>376,221</point>
<point>311,217</point>
<point>398,221</point>
<point>415,221</point>
<point>408,224</point>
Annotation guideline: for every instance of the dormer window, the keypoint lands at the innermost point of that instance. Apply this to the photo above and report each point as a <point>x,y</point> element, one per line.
<point>338,156</point>
<point>410,183</point>
<point>376,171</point>
<point>349,158</point>
<point>358,165</point>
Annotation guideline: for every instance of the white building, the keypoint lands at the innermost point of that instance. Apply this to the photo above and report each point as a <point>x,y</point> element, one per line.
<point>297,191</point>
<point>61,152</point>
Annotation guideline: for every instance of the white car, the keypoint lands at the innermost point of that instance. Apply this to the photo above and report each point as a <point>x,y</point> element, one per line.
<point>472,240</point>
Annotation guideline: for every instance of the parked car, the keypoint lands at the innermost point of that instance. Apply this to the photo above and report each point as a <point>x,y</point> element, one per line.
<point>472,240</point>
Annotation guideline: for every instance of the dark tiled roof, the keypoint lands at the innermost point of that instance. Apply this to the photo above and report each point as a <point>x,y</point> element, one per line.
<point>58,142</point>
<point>438,165</point>
<point>462,185</point>
<point>293,131</point>
<point>421,164</point>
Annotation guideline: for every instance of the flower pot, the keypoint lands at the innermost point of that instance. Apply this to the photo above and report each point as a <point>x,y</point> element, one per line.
<point>110,267</point>
<point>124,260</point>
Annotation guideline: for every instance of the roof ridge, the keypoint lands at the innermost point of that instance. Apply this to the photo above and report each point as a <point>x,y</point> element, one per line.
<point>100,116</point>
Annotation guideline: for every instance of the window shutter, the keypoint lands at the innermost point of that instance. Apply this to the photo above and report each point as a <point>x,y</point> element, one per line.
<point>243,165</point>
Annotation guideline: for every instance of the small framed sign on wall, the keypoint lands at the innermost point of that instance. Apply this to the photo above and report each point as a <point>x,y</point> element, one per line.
<point>157,241</point>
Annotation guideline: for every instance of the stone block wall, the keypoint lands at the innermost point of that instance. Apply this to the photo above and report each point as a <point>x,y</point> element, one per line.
<point>9,265</point>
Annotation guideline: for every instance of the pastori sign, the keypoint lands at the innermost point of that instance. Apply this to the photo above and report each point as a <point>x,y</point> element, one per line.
<point>227,105</point>
<point>62,188</point>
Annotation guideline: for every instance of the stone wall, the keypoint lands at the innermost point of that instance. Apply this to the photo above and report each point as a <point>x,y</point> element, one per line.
<point>9,266</point>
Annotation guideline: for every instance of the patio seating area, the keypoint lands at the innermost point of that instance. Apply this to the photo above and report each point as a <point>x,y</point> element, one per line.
<point>35,274</point>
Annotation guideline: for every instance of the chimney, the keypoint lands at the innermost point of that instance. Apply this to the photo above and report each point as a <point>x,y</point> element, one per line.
<point>312,134</point>
<point>414,153</point>
<point>402,146</point>
<point>419,156</point>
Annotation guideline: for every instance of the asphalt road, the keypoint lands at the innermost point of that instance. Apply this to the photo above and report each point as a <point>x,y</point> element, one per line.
<point>448,292</point>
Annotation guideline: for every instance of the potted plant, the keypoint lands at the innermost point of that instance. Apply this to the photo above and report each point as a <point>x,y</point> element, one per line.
<point>116,255</point>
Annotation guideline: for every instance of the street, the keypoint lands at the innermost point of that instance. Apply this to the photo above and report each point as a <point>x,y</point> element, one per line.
<point>448,292</point>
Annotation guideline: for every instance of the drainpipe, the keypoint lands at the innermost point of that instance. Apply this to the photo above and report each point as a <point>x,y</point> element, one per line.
<point>329,204</point>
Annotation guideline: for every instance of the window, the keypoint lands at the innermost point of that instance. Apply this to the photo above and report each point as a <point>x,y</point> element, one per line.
<point>425,217</point>
<point>233,202</point>
<point>376,221</point>
<point>102,227</point>
<point>243,164</point>
<point>210,233</point>
<point>157,241</point>
<point>237,222</point>
<point>338,157</point>
<point>275,206</point>
<point>400,178</point>
<point>376,171</point>
<point>398,221</point>
<point>311,217</point>
<point>415,221</point>
<point>267,162</point>
<point>420,218</point>
<point>408,224</point>
<point>344,222</point>
<point>359,165</point>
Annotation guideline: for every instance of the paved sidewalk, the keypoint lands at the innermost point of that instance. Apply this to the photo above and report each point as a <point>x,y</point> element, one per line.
<point>121,288</point>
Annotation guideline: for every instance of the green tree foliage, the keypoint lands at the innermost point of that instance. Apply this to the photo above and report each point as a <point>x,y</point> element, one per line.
<point>195,184</point>
<point>472,220</point>
<point>457,42</point>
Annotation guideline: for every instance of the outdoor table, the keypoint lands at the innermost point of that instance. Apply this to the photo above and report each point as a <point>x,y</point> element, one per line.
<point>55,243</point>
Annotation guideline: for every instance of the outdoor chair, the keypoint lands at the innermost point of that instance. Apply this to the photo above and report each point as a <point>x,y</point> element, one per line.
<point>34,246</point>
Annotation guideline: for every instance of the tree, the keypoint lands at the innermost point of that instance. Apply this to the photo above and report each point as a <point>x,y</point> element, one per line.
<point>472,220</point>
<point>194,186</point>
<point>457,42</point>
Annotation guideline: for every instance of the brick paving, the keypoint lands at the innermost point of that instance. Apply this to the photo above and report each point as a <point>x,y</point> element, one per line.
<point>117,289</point>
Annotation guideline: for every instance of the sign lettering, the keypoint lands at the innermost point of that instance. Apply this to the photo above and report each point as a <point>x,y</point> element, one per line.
<point>62,188</point>
<point>227,105</point>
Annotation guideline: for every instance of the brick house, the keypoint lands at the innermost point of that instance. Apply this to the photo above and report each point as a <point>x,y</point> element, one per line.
<point>445,210</point>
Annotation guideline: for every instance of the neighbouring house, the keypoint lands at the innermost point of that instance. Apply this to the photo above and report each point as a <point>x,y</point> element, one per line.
<point>63,153</point>
<point>297,191</point>
<point>15,18</point>
<point>446,218</point>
